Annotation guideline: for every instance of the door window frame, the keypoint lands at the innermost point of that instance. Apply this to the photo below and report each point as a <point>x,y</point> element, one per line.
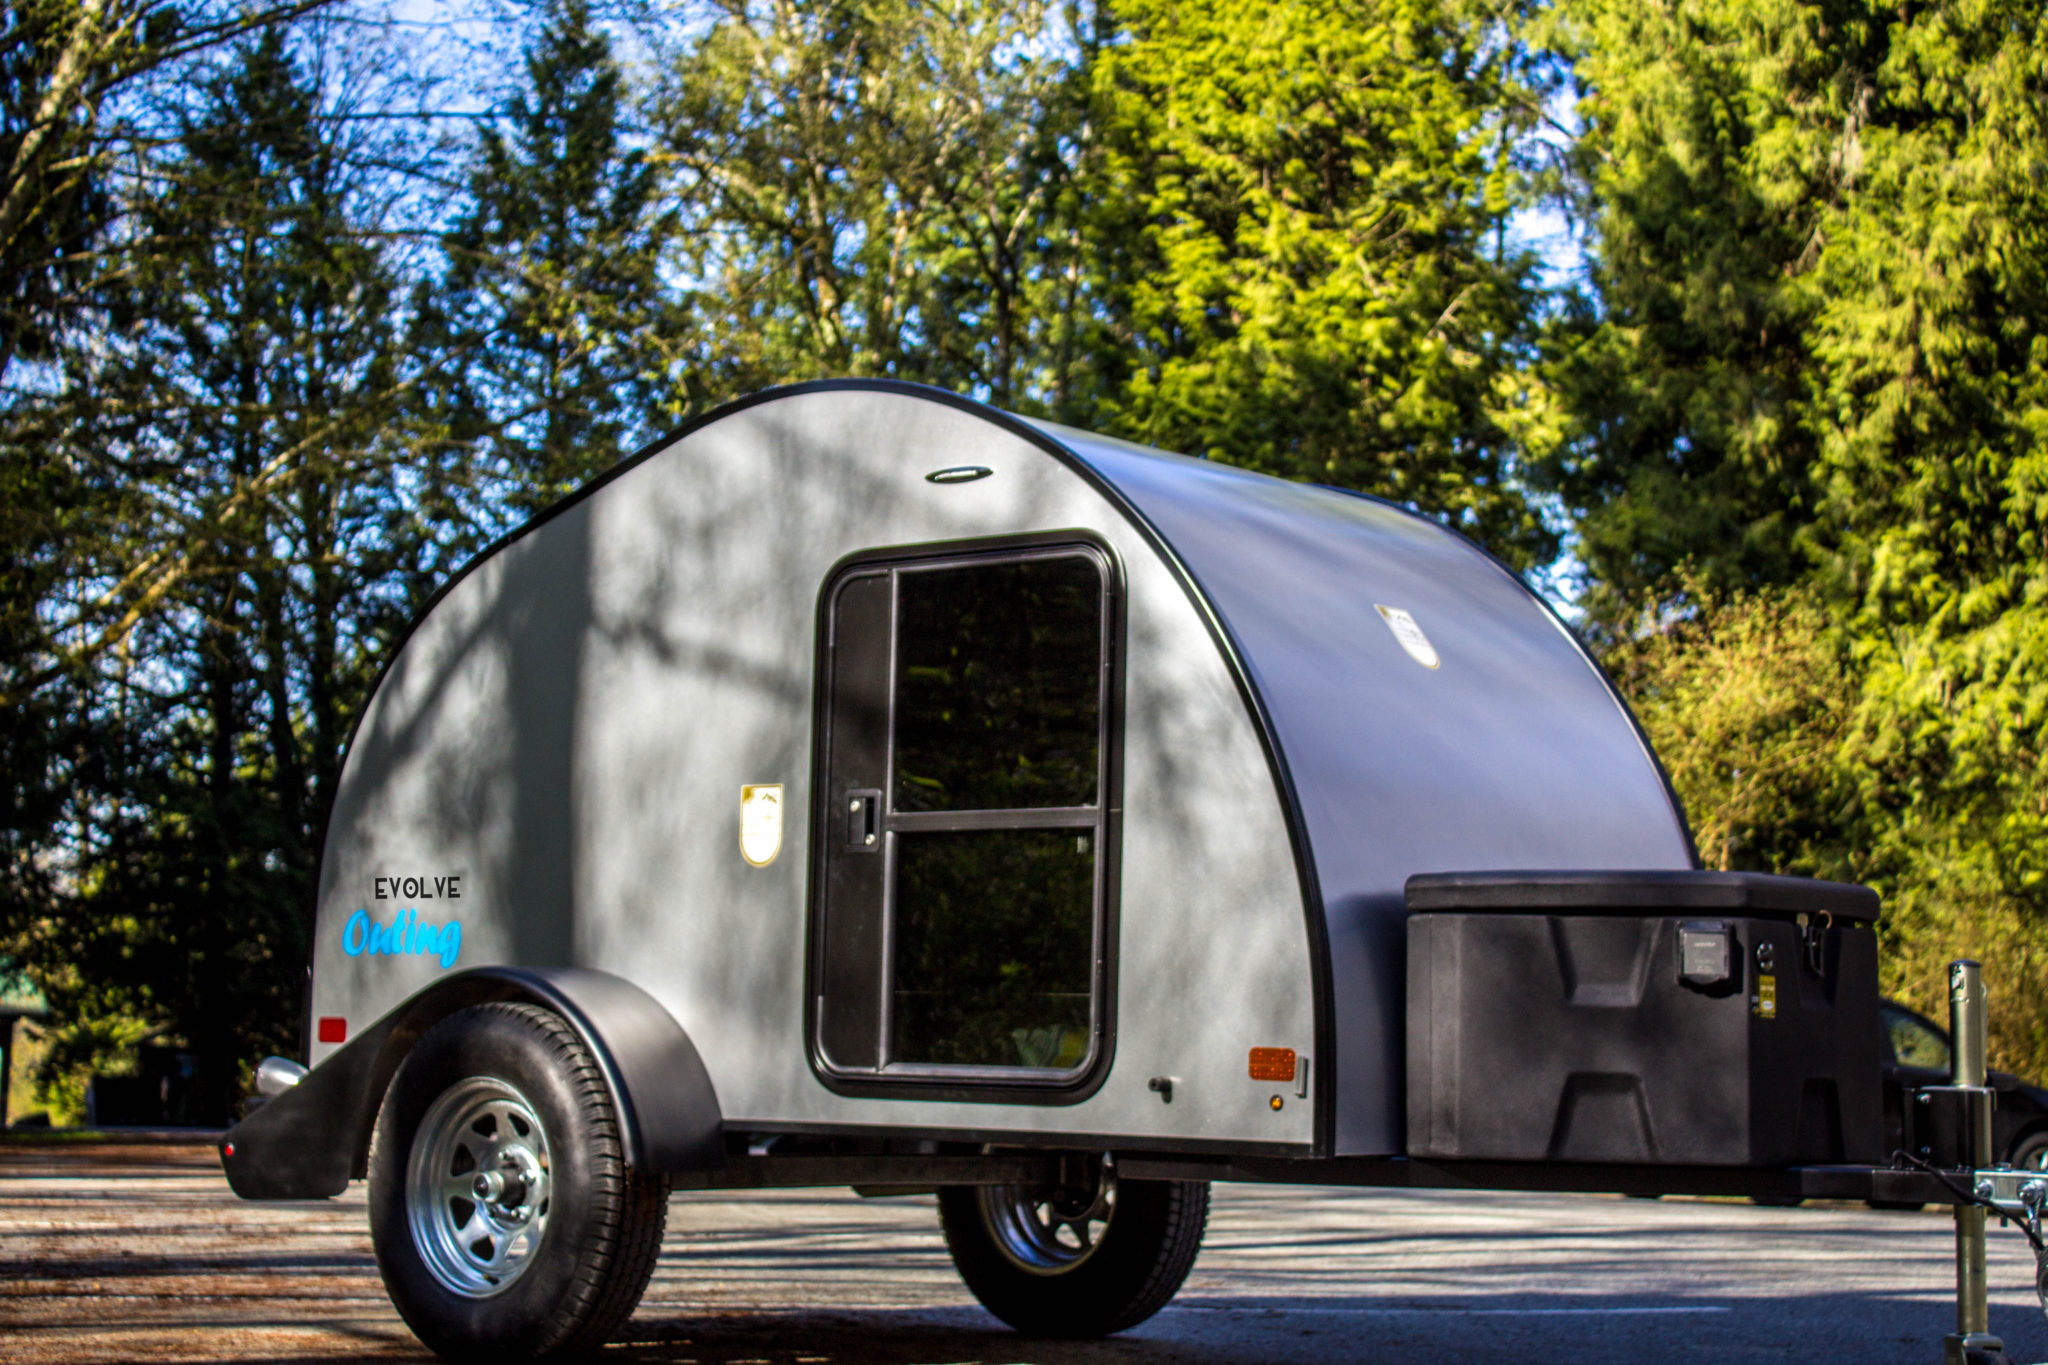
<point>929,1081</point>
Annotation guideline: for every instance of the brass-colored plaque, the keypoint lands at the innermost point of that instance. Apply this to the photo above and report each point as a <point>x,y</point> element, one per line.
<point>761,822</point>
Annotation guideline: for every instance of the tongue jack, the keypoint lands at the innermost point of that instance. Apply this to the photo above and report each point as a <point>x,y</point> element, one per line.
<point>1971,1343</point>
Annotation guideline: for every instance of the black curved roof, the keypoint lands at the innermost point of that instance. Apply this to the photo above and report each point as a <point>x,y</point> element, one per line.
<point>1512,752</point>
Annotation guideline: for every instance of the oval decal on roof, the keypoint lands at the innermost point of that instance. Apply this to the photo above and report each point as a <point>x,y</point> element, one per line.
<point>1410,635</point>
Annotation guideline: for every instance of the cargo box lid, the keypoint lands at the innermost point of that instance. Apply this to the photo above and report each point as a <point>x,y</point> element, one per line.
<point>1679,892</point>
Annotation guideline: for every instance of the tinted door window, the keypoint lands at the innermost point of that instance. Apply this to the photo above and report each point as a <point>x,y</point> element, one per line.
<point>998,686</point>
<point>994,947</point>
<point>961,924</point>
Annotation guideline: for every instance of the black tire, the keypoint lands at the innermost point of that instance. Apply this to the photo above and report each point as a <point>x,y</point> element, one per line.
<point>1134,1266</point>
<point>2030,1153</point>
<point>1778,1201</point>
<point>588,1226</point>
<point>1898,1205</point>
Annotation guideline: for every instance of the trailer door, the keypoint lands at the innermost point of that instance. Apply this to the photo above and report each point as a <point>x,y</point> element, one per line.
<point>960,924</point>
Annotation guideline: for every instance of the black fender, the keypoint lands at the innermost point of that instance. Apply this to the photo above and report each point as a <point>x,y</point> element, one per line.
<point>310,1141</point>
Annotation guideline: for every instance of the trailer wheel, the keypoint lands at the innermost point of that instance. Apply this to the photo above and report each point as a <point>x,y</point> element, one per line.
<point>1082,1259</point>
<point>2030,1153</point>
<point>506,1221</point>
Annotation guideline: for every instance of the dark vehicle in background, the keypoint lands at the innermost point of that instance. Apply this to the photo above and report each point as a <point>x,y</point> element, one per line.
<point>1916,1054</point>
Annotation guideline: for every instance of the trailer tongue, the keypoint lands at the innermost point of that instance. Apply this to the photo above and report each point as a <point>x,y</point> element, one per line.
<point>1694,1018</point>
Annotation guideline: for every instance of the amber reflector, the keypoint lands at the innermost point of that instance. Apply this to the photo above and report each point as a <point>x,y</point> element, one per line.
<point>334,1030</point>
<point>1272,1063</point>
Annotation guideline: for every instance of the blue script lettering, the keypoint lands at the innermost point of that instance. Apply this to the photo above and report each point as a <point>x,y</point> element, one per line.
<point>405,935</point>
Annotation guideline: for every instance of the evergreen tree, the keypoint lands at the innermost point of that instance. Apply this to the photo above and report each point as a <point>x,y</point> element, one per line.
<point>581,347</point>
<point>1303,218</point>
<point>1928,403</point>
<point>1818,370</point>
<point>889,189</point>
<point>61,63</point>
<point>251,404</point>
<point>52,206</point>
<point>1707,159</point>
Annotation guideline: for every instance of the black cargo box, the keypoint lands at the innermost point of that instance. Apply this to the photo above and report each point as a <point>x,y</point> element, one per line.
<point>1668,1018</point>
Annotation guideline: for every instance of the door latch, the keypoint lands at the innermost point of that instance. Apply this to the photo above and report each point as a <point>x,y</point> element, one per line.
<point>864,820</point>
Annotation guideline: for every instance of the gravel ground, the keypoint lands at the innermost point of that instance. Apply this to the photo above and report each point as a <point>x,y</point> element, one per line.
<point>112,1253</point>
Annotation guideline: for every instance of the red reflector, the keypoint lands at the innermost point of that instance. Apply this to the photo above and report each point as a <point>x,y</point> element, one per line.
<point>1272,1064</point>
<point>228,1150</point>
<point>334,1030</point>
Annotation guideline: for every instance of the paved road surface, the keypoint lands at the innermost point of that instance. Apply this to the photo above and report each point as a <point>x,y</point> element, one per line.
<point>142,1254</point>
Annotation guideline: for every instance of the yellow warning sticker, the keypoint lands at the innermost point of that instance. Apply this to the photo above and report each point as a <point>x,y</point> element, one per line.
<point>1764,1004</point>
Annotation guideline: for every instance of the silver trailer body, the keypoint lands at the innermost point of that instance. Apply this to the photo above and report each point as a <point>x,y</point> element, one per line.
<point>1316,696</point>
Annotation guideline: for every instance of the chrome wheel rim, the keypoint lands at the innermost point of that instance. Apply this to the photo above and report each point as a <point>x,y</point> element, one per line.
<point>477,1189</point>
<point>1049,1231</point>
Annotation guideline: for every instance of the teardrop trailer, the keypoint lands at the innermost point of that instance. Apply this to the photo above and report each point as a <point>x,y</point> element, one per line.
<point>867,787</point>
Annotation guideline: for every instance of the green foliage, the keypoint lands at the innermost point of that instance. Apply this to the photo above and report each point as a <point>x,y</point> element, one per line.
<point>1930,404</point>
<point>1747,703</point>
<point>54,1066</point>
<point>1819,368</point>
<point>61,62</point>
<point>1306,206</point>
<point>1765,719</point>
<point>1707,158</point>
<point>248,409</point>
<point>554,282</point>
<point>1819,274</point>
<point>883,190</point>
<point>272,373</point>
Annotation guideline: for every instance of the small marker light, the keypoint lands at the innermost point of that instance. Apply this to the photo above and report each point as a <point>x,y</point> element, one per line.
<point>1276,1102</point>
<point>333,1030</point>
<point>228,1150</point>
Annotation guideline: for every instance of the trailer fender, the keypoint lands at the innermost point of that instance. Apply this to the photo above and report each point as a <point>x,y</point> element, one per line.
<point>310,1141</point>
